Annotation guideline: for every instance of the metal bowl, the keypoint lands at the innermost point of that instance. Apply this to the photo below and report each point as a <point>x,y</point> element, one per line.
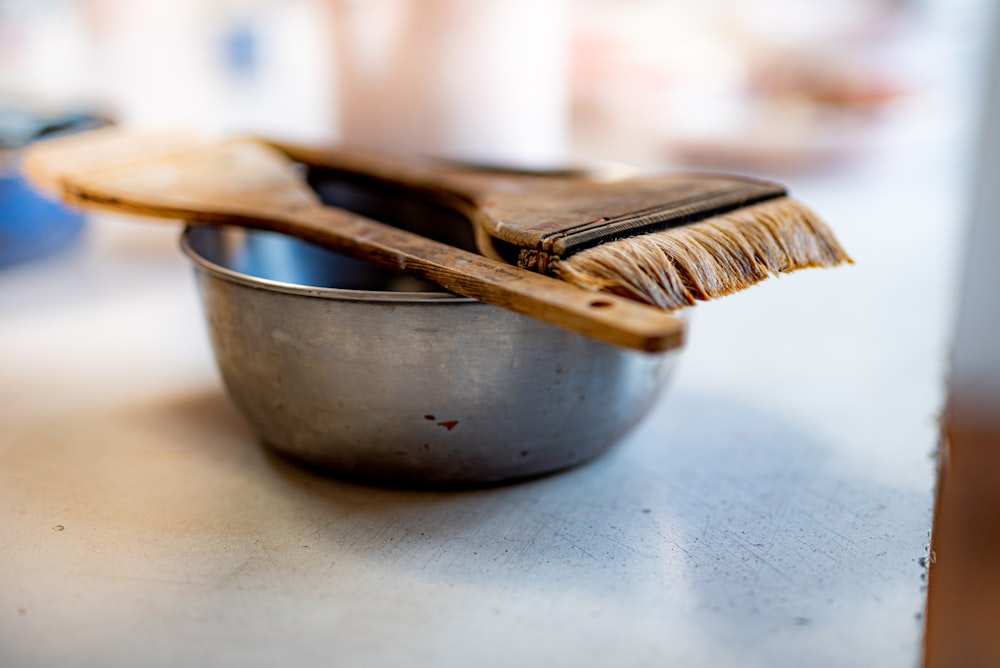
<point>372,374</point>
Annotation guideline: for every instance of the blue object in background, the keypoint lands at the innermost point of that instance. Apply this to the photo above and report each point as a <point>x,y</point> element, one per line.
<point>240,49</point>
<point>32,226</point>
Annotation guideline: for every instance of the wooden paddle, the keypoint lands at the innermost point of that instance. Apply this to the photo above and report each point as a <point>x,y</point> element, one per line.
<point>247,183</point>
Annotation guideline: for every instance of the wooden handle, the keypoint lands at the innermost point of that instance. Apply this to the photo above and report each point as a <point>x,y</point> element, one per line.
<point>463,188</point>
<point>601,316</point>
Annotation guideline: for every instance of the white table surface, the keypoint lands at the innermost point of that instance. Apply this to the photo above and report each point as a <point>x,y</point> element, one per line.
<point>773,510</point>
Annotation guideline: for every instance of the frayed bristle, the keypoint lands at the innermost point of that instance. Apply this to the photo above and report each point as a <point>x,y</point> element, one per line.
<point>718,256</point>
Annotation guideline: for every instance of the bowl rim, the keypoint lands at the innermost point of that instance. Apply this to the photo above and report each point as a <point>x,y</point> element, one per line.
<point>231,275</point>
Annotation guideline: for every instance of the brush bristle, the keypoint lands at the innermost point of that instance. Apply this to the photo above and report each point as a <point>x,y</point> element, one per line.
<point>711,258</point>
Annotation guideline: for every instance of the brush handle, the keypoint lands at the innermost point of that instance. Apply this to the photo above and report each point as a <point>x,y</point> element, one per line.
<point>463,188</point>
<point>601,316</point>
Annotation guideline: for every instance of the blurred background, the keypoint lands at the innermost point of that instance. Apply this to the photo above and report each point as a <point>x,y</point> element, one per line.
<point>775,87</point>
<point>774,84</point>
<point>812,92</point>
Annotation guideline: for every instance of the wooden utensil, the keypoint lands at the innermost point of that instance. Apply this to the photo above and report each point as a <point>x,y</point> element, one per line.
<point>247,183</point>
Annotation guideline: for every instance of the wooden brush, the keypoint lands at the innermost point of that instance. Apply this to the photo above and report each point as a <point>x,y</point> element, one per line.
<point>247,183</point>
<point>667,240</point>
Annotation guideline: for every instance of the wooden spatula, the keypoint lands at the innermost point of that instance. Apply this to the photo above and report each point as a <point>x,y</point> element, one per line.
<point>247,183</point>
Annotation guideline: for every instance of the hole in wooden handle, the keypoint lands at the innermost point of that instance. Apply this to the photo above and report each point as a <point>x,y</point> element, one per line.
<point>600,303</point>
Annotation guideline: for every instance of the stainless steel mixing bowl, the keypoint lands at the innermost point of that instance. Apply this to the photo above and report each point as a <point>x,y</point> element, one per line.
<point>371,374</point>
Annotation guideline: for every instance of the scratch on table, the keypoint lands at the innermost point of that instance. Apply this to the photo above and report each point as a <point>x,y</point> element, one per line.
<point>833,551</point>
<point>267,553</point>
<point>574,543</point>
<point>847,540</point>
<point>674,542</point>
<point>762,560</point>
